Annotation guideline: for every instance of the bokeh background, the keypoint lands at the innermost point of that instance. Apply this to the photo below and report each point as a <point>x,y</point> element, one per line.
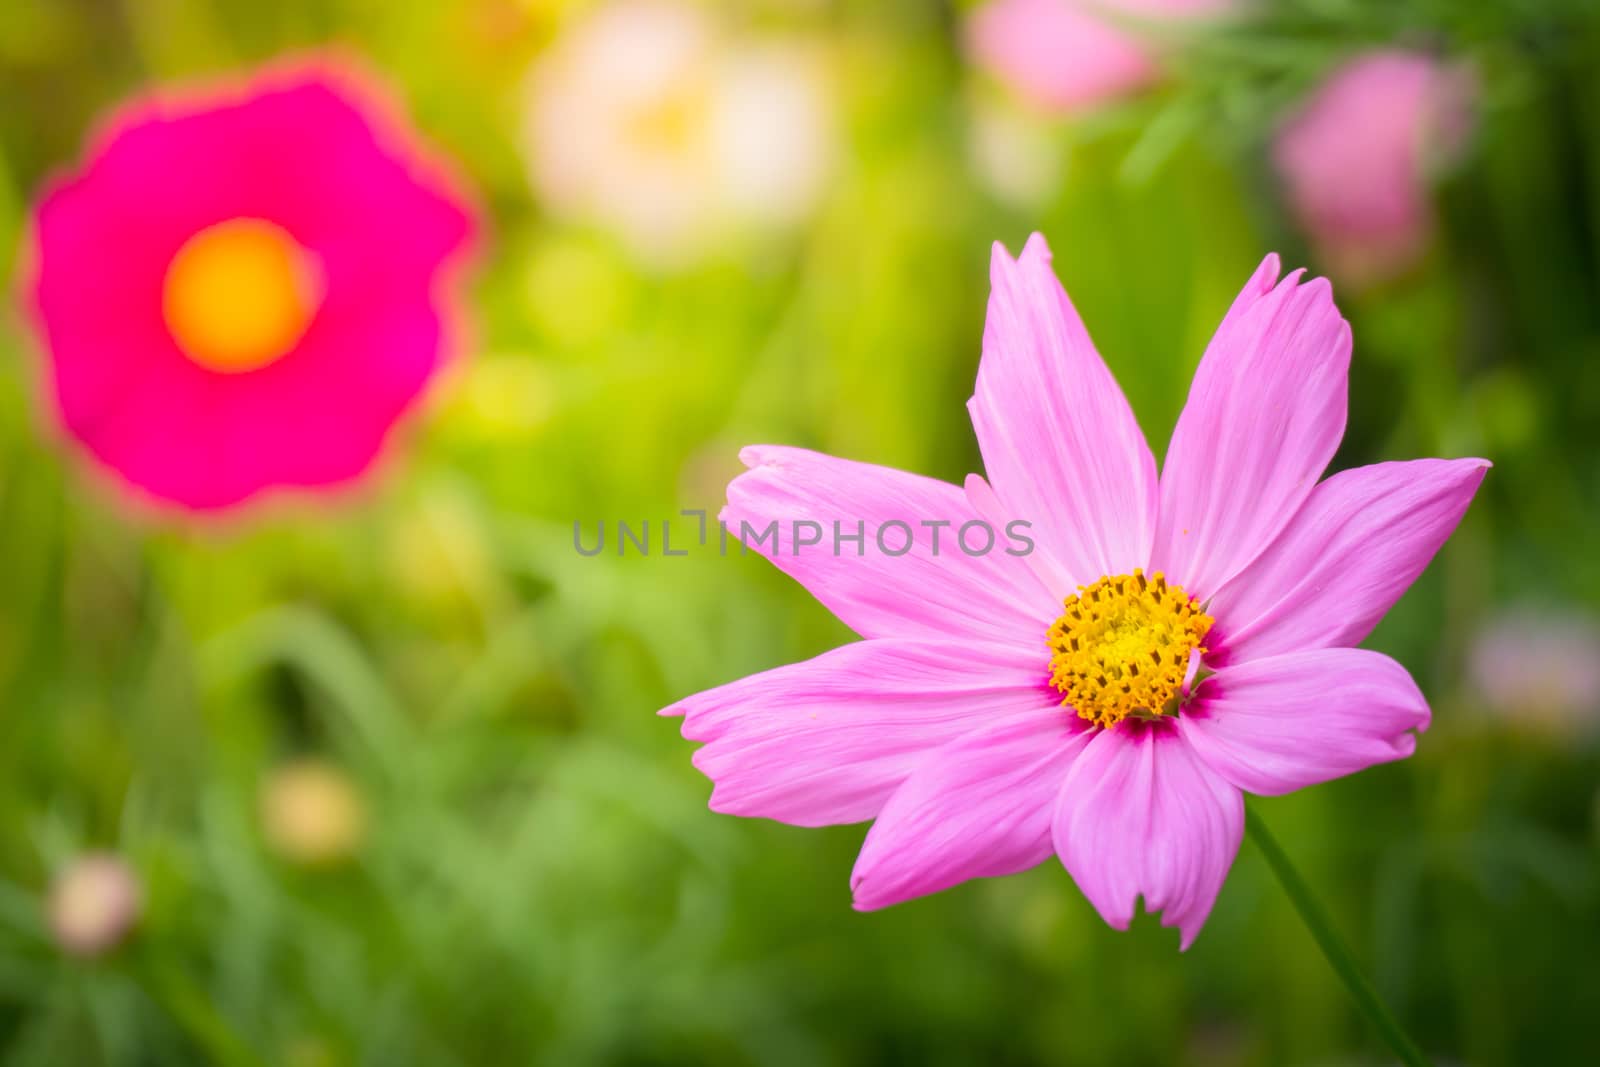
<point>379,780</point>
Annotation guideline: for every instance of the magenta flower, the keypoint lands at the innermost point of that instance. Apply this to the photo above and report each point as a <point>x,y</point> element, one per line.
<point>245,287</point>
<point>1357,158</point>
<point>1068,55</point>
<point>1169,642</point>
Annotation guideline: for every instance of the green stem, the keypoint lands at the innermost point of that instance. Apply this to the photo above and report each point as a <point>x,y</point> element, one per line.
<point>1333,948</point>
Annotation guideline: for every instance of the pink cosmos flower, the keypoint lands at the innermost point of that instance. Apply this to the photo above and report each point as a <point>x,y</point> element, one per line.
<point>1169,642</point>
<point>1357,157</point>
<point>1067,55</point>
<point>245,287</point>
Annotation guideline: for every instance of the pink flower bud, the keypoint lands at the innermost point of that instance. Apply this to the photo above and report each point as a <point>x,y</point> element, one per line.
<point>94,901</point>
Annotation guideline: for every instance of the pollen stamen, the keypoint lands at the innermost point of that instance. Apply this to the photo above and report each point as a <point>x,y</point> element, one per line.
<point>1122,647</point>
<point>238,295</point>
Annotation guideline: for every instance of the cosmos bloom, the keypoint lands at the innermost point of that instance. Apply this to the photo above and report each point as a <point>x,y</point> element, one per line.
<point>1356,159</point>
<point>245,287</point>
<point>1070,55</point>
<point>649,119</point>
<point>1169,643</point>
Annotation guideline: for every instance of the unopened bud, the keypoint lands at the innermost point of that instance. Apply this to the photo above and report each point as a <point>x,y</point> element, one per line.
<point>94,902</point>
<point>312,813</point>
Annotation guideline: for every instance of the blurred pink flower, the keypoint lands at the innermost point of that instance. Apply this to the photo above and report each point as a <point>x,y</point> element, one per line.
<point>94,902</point>
<point>1356,159</point>
<point>245,287</point>
<point>1540,668</point>
<point>1167,644</point>
<point>1069,55</point>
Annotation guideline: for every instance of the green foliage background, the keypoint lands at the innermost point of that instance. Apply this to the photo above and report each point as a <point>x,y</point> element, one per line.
<point>540,881</point>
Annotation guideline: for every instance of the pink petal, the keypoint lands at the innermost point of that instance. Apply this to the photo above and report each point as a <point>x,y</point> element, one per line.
<point>1067,55</point>
<point>206,441</point>
<point>1045,567</point>
<point>1059,442</point>
<point>934,591</point>
<point>828,740</point>
<point>1272,726</point>
<point>1141,815</point>
<point>1265,414</point>
<point>1057,55</point>
<point>1360,541</point>
<point>979,807</point>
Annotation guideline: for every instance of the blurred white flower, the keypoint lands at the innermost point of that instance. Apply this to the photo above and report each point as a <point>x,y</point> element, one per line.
<point>94,901</point>
<point>647,118</point>
<point>771,125</point>
<point>1016,152</point>
<point>1540,669</point>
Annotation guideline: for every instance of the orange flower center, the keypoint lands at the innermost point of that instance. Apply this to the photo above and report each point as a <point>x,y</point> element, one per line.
<point>1123,645</point>
<point>239,295</point>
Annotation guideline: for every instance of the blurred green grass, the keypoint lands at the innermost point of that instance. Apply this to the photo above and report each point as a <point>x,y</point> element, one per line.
<point>540,880</point>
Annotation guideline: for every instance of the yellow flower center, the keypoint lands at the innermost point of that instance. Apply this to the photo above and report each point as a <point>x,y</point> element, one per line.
<point>239,295</point>
<point>1122,647</point>
<point>671,123</point>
